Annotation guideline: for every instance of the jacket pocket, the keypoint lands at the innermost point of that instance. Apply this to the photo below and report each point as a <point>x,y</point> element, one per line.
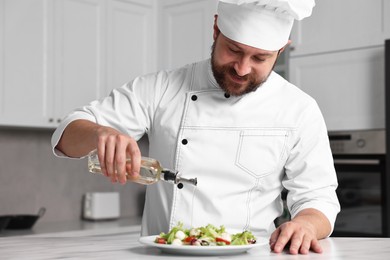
<point>260,152</point>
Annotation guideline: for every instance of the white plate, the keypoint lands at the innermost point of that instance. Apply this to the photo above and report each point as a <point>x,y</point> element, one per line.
<point>201,250</point>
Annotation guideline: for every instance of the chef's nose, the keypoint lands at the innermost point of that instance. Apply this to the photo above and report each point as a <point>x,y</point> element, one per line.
<point>242,67</point>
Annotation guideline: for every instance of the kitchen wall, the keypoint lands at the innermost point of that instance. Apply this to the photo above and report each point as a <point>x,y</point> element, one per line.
<point>32,177</point>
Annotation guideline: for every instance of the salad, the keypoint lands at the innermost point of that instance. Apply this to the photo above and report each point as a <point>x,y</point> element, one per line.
<point>204,236</point>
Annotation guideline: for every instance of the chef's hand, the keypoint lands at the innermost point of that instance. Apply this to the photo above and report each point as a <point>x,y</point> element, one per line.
<point>301,233</point>
<point>81,136</point>
<point>113,148</point>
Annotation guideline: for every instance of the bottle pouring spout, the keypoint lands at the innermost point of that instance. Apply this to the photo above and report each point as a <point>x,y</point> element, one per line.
<point>192,181</point>
<point>177,179</point>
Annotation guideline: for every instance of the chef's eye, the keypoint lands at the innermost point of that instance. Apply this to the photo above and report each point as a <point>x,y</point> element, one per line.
<point>234,50</point>
<point>258,59</point>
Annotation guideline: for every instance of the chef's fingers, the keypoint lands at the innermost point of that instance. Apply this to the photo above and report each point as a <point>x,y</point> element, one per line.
<point>101,149</point>
<point>273,238</point>
<point>297,242</point>
<point>316,246</point>
<point>110,157</point>
<point>305,245</point>
<point>286,231</point>
<point>120,159</point>
<point>135,155</point>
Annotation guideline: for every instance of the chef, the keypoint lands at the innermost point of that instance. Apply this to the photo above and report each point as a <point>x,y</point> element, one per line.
<point>240,128</point>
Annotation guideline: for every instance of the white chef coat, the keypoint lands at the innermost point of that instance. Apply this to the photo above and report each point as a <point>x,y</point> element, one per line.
<point>243,150</point>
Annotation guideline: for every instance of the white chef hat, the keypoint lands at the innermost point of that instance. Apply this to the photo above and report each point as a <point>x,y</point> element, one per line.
<point>264,24</point>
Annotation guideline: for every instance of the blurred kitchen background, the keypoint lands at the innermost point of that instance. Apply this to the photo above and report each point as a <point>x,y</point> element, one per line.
<point>56,55</point>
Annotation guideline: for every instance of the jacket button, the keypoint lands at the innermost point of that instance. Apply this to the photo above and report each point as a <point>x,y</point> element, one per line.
<point>194,97</point>
<point>227,95</point>
<point>184,141</point>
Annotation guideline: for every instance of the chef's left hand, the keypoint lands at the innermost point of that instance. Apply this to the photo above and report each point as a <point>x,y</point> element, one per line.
<point>301,233</point>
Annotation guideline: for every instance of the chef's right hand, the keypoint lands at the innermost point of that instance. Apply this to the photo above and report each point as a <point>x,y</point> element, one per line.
<point>113,148</point>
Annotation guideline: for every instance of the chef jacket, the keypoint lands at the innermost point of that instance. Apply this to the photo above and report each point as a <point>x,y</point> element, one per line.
<point>244,150</point>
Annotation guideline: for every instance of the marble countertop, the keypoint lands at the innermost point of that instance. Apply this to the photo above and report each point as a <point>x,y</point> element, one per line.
<point>122,242</point>
<point>62,226</point>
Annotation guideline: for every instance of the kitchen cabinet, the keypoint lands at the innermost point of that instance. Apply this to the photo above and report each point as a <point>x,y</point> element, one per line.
<point>348,86</point>
<point>78,54</point>
<point>186,31</point>
<point>131,41</point>
<point>337,56</point>
<point>24,61</point>
<point>100,45</point>
<point>338,25</point>
<point>58,55</point>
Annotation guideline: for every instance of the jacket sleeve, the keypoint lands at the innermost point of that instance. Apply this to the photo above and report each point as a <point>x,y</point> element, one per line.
<point>310,174</point>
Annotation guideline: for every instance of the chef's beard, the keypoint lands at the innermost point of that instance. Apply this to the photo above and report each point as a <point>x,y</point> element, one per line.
<point>220,73</point>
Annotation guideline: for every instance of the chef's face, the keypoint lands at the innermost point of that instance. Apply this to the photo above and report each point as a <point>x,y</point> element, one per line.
<point>239,68</point>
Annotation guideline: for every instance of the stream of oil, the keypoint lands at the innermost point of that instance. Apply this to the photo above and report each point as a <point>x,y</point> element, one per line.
<point>192,204</point>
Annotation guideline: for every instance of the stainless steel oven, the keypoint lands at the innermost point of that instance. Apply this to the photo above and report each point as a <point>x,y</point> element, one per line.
<point>360,162</point>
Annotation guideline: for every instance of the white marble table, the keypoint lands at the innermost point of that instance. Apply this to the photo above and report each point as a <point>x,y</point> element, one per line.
<point>62,226</point>
<point>122,243</point>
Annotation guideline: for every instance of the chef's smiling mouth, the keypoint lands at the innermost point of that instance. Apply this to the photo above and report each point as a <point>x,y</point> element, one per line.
<point>238,79</point>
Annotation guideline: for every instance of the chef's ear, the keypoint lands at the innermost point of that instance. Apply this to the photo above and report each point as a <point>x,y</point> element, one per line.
<point>216,29</point>
<point>285,46</point>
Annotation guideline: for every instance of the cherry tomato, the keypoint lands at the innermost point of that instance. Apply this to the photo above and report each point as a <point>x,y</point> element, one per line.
<point>218,239</point>
<point>189,239</point>
<point>160,240</point>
